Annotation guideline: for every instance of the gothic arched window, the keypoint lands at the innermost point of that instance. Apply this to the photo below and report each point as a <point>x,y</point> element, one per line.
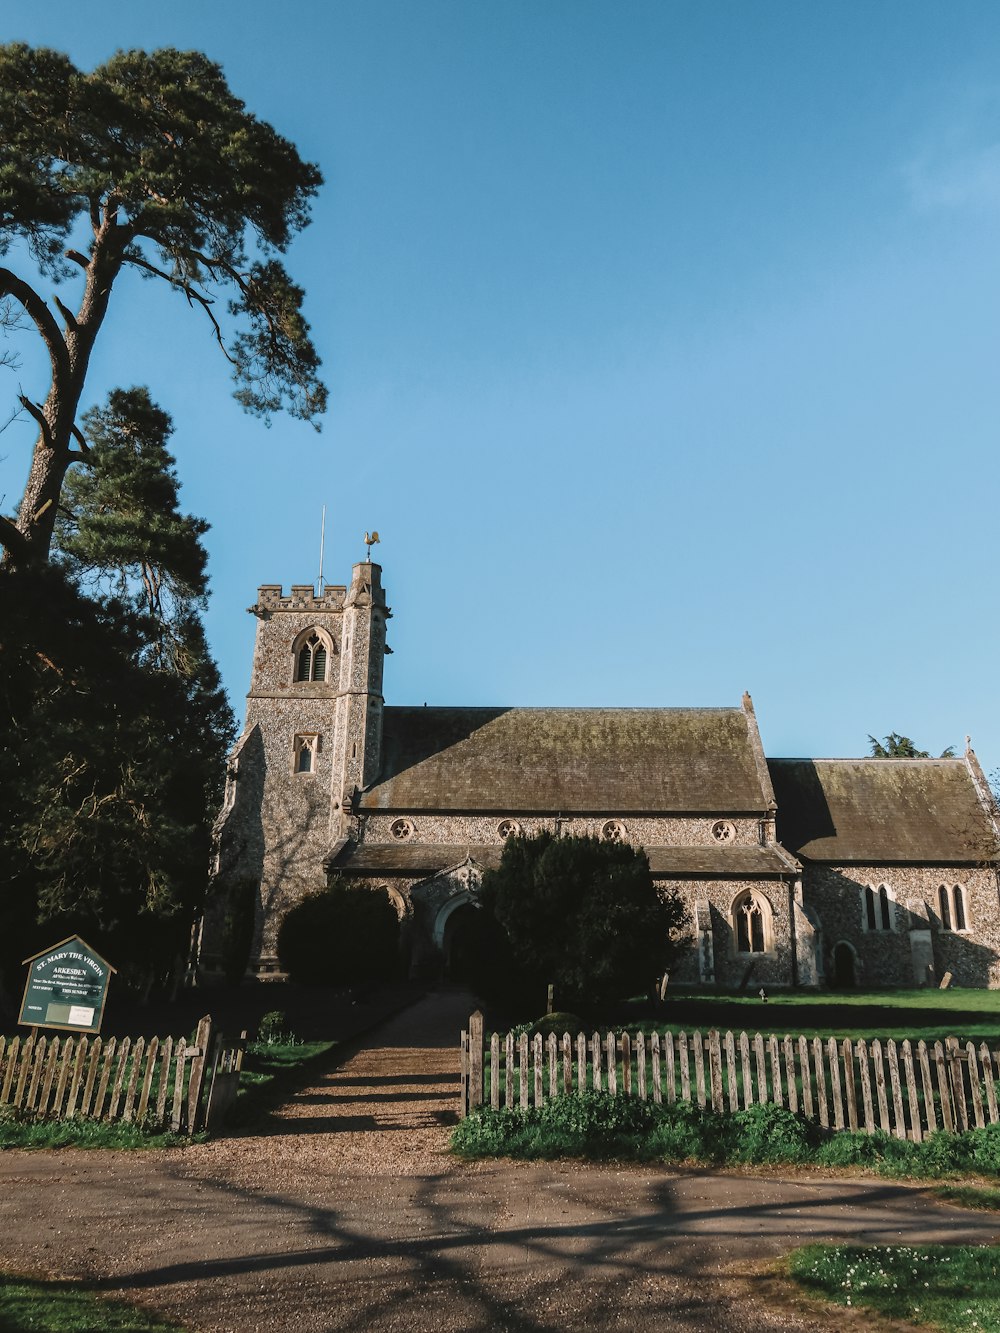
<point>311,663</point>
<point>751,924</point>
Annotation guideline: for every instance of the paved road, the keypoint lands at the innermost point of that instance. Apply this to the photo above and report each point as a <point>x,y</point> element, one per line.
<point>348,1215</point>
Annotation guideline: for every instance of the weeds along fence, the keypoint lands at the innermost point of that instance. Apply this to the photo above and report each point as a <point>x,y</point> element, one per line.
<point>165,1083</point>
<point>906,1089</point>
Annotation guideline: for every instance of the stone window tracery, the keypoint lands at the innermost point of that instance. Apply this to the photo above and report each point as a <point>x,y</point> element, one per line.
<point>614,831</point>
<point>401,829</point>
<point>751,924</point>
<point>508,828</point>
<point>723,830</point>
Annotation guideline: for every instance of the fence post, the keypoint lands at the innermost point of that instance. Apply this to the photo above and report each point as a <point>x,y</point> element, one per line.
<point>476,1060</point>
<point>203,1041</point>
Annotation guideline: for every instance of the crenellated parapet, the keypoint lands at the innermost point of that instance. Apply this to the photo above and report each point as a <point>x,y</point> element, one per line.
<point>303,597</point>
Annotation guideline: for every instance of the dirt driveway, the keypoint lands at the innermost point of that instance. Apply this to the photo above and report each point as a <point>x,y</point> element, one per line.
<point>349,1215</point>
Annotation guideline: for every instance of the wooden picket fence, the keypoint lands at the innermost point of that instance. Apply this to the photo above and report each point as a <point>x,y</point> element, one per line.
<point>905,1089</point>
<point>166,1083</point>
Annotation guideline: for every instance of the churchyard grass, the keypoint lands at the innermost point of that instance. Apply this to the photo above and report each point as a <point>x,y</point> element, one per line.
<point>948,1287</point>
<point>985,1198</point>
<point>270,1071</point>
<point>20,1130</point>
<point>930,1015</point>
<point>64,1307</point>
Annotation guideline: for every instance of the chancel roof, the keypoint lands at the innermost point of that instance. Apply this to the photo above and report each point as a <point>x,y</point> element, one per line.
<point>881,810</point>
<point>568,760</point>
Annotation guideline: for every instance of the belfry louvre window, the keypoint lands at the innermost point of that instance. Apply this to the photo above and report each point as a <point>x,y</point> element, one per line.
<point>312,659</point>
<point>878,912</point>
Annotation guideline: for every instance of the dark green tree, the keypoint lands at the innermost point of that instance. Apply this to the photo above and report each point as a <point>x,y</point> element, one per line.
<point>895,746</point>
<point>343,935</point>
<point>113,763</point>
<point>148,163</point>
<point>120,530</point>
<point>584,915</point>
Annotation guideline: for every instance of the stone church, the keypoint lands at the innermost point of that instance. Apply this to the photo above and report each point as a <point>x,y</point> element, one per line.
<point>795,872</point>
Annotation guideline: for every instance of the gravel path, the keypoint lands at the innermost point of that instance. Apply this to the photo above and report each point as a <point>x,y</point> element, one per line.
<point>348,1215</point>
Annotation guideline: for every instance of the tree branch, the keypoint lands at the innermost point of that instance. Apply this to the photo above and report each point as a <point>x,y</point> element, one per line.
<point>68,317</point>
<point>78,435</point>
<point>35,411</point>
<point>77,258</point>
<point>193,296</point>
<point>40,315</point>
<point>13,541</point>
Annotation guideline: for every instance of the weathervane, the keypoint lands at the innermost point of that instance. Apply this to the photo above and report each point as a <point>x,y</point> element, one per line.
<point>370,541</point>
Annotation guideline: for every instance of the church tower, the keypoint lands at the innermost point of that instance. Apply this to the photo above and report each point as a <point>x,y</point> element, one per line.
<point>312,740</point>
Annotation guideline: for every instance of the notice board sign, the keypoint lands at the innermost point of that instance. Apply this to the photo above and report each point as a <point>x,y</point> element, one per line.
<point>66,988</point>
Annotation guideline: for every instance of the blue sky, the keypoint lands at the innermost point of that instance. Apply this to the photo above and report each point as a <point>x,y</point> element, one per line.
<point>662,341</point>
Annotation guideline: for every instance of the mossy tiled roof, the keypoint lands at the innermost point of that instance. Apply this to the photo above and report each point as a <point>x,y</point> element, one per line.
<point>415,858</point>
<point>881,810</point>
<point>568,760</point>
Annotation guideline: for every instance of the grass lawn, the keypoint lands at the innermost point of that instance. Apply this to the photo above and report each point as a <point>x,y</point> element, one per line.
<point>950,1287</point>
<point>971,1015</point>
<point>63,1307</point>
<point>270,1072</point>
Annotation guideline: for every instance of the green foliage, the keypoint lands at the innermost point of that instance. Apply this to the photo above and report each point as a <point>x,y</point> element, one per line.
<point>150,163</point>
<point>582,914</point>
<point>895,746</point>
<point>599,1125</point>
<point>24,1131</point>
<point>984,1198</point>
<point>113,756</point>
<point>28,1304</point>
<point>120,530</point>
<point>174,177</point>
<point>345,934</point>
<point>273,1030</point>
<point>950,1287</point>
<point>766,1133</point>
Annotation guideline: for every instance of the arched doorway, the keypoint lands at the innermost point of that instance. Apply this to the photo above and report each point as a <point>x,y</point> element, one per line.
<point>458,942</point>
<point>845,970</point>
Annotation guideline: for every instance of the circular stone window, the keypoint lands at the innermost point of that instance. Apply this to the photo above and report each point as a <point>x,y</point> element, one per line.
<point>509,828</point>
<point>401,828</point>
<point>723,831</point>
<point>614,831</point>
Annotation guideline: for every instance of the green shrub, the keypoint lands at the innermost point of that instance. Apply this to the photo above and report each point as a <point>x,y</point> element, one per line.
<point>984,1145</point>
<point>273,1030</point>
<point>771,1134</point>
<point>557,1023</point>
<point>344,934</point>
<point>687,1133</point>
<point>856,1148</point>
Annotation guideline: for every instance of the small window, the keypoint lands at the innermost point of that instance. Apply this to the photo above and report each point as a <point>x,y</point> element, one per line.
<point>958,902</point>
<point>877,908</point>
<point>944,907</point>
<point>306,748</point>
<point>951,905</point>
<point>312,660</point>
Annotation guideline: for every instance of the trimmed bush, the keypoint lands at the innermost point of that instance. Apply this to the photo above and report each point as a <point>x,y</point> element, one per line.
<point>343,935</point>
